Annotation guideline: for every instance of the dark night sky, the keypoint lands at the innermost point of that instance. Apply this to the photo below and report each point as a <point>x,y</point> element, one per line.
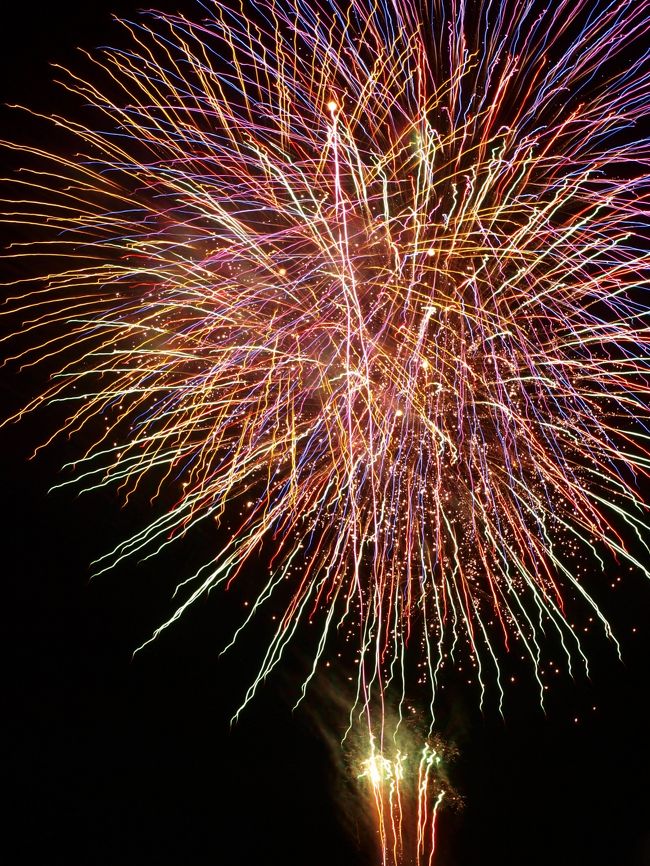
<point>115,760</point>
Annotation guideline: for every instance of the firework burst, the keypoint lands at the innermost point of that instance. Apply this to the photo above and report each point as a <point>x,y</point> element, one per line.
<point>364,283</point>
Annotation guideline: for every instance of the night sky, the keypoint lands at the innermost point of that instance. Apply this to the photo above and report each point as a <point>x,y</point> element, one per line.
<point>116,760</point>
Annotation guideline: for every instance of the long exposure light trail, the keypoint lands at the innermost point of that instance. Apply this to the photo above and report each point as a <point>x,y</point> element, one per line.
<point>406,783</point>
<point>362,285</point>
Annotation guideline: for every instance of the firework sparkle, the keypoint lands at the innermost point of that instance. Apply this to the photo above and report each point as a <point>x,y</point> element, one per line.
<point>366,286</point>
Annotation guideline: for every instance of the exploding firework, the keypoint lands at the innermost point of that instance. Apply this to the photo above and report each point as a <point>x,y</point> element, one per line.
<point>363,284</point>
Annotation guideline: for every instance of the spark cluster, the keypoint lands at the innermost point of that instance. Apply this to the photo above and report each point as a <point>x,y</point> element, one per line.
<point>363,283</point>
<point>399,785</point>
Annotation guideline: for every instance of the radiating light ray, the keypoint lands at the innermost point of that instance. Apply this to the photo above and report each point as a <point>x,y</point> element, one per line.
<point>366,285</point>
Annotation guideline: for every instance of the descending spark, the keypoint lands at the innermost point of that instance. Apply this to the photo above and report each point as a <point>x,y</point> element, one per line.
<point>364,283</point>
<point>406,790</point>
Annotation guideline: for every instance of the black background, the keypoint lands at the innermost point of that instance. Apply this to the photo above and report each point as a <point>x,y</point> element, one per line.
<point>119,759</point>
